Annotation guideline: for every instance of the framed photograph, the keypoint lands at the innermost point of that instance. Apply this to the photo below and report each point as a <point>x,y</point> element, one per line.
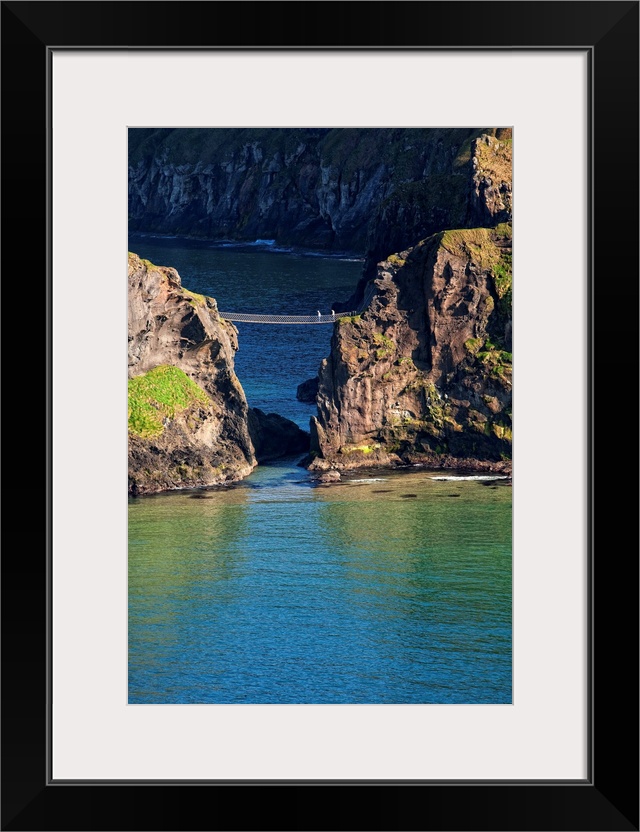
<point>512,719</point>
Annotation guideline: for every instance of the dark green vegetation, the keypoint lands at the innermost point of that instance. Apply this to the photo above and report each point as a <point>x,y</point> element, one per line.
<point>348,149</point>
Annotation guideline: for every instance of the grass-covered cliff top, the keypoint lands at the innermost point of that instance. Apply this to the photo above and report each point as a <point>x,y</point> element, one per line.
<point>485,246</point>
<point>160,394</point>
<point>488,248</point>
<point>349,149</point>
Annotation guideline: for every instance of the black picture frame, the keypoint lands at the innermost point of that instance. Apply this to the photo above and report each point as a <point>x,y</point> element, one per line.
<point>608,798</point>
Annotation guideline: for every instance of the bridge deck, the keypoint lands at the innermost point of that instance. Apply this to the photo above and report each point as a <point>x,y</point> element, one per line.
<point>251,318</point>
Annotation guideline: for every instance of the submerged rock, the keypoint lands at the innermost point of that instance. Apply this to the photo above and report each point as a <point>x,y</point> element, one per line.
<point>329,476</point>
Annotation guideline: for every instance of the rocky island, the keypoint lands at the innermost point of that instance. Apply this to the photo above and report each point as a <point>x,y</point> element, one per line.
<point>423,374</point>
<point>189,421</point>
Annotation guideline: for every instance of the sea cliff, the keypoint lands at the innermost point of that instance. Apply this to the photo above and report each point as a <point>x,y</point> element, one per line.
<point>372,191</point>
<point>188,415</point>
<point>423,375</point>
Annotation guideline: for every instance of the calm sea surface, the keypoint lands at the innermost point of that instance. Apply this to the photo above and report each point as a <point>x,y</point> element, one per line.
<point>388,587</point>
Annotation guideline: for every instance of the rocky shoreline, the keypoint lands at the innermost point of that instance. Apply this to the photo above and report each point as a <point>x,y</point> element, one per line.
<point>462,465</point>
<point>452,466</point>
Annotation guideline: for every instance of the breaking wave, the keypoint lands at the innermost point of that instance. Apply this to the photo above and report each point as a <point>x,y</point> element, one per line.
<point>472,477</point>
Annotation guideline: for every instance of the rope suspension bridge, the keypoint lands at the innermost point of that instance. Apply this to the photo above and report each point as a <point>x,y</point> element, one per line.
<point>250,318</point>
<point>254,318</point>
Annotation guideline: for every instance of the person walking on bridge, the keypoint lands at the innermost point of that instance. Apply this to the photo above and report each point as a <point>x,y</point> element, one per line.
<point>319,315</point>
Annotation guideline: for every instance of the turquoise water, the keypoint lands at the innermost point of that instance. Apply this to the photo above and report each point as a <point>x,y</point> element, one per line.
<point>390,587</point>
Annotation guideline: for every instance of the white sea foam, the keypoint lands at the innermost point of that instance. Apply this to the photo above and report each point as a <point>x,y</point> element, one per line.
<point>371,479</point>
<point>471,477</point>
<point>247,244</point>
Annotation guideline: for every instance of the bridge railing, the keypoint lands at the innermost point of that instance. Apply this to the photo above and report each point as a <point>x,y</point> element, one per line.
<point>251,318</point>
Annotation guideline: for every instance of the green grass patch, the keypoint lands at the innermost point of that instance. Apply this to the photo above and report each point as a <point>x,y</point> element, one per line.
<point>474,243</point>
<point>502,280</point>
<point>364,449</point>
<point>161,393</point>
<point>494,358</point>
<point>379,338</point>
<point>473,345</point>
<point>502,274</point>
<point>405,361</point>
<point>385,346</point>
<point>200,300</point>
<point>504,231</point>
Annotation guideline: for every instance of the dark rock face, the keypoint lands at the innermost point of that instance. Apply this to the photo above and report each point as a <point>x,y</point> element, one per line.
<point>373,191</point>
<point>307,391</point>
<point>273,436</point>
<point>424,374</point>
<point>208,441</point>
